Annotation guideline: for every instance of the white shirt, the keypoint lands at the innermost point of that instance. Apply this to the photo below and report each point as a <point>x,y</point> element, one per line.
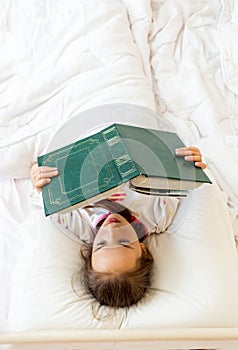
<point>155,212</point>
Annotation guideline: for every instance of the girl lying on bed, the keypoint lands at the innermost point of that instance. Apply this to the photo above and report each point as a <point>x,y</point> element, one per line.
<point>116,262</point>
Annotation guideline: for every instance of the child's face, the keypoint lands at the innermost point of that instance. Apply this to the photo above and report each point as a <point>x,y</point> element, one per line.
<point>116,247</point>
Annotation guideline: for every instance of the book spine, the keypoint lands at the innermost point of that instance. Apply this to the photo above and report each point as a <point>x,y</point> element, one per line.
<point>125,165</point>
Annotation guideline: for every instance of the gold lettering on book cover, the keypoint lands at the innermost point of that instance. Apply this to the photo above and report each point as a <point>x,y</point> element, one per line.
<point>119,152</point>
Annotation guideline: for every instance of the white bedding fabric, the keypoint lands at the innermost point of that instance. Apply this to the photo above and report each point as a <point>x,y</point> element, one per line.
<point>60,58</point>
<point>193,282</point>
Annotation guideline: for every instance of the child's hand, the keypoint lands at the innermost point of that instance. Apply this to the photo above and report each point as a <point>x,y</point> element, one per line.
<point>191,154</point>
<point>40,176</point>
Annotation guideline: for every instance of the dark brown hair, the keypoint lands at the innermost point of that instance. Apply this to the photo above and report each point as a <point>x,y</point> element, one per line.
<point>117,290</point>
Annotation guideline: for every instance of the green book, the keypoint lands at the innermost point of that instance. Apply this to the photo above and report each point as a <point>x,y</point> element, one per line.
<point>99,165</point>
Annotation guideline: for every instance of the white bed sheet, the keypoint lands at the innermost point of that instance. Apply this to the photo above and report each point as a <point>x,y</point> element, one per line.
<point>176,57</point>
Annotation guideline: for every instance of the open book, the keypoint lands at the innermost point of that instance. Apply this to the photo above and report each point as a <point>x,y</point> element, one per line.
<point>99,165</point>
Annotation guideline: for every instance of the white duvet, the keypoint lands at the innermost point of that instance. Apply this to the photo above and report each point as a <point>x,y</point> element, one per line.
<point>179,58</point>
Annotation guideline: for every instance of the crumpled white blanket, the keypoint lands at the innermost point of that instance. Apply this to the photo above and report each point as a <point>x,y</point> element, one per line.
<point>194,64</point>
<point>59,58</point>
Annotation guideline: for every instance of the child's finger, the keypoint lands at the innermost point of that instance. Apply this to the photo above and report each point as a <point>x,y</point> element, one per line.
<point>48,172</point>
<point>186,151</point>
<point>193,158</point>
<point>35,168</point>
<point>191,154</point>
<point>40,183</point>
<point>44,173</point>
<point>200,165</point>
<point>45,170</point>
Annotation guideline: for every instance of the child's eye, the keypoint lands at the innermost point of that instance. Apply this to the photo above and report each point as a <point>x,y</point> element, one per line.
<point>124,241</point>
<point>99,244</point>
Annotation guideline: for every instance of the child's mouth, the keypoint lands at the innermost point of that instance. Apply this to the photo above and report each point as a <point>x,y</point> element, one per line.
<point>111,220</point>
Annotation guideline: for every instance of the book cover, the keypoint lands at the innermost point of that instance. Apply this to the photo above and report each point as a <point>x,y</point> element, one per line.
<point>110,158</point>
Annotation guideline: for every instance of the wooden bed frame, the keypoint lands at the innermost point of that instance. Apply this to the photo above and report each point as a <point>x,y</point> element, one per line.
<point>130,339</point>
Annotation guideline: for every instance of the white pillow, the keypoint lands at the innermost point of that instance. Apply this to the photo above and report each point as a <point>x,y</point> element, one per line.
<point>195,280</point>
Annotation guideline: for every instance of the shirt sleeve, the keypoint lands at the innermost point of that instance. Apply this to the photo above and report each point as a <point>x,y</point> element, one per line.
<point>80,224</point>
<point>75,225</point>
<point>164,211</point>
<point>35,197</point>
